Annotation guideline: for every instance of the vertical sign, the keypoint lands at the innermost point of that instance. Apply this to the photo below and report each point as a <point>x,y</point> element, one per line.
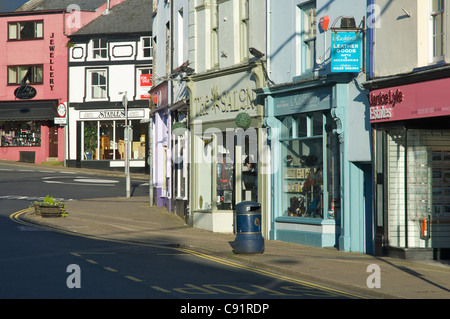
<point>346,51</point>
<point>51,48</point>
<point>145,85</point>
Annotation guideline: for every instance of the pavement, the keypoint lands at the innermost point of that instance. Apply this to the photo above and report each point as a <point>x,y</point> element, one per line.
<point>133,220</point>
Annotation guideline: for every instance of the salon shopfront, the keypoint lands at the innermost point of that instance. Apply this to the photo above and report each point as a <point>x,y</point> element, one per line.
<point>411,129</point>
<point>100,141</point>
<point>28,131</point>
<point>227,152</point>
<point>314,162</point>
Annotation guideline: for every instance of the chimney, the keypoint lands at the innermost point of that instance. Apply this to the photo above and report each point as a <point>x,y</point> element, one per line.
<point>108,5</point>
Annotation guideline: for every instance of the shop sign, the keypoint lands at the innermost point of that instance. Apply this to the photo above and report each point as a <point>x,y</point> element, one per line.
<point>25,92</point>
<point>222,97</point>
<point>382,104</point>
<point>111,114</point>
<point>51,47</point>
<point>224,102</point>
<point>303,101</point>
<point>411,101</point>
<point>346,51</point>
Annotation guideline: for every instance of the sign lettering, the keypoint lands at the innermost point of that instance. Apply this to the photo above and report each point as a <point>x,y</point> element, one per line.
<point>52,61</point>
<point>382,104</point>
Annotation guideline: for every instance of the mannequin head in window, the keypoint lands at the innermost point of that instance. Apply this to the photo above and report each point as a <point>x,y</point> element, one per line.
<point>249,166</point>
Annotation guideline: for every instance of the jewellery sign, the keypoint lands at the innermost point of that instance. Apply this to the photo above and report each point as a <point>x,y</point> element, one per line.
<point>346,51</point>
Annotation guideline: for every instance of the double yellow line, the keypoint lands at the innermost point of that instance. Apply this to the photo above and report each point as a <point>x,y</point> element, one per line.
<point>270,274</point>
<point>16,218</point>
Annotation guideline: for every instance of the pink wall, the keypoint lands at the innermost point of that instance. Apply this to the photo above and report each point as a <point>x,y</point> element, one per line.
<point>51,52</point>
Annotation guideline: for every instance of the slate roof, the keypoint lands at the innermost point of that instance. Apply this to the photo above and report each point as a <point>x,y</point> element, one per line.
<point>131,16</point>
<point>43,5</point>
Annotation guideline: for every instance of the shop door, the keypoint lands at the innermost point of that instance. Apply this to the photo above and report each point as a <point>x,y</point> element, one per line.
<point>53,141</point>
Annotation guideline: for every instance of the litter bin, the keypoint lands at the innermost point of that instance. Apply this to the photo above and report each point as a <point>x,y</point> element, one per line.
<point>248,229</point>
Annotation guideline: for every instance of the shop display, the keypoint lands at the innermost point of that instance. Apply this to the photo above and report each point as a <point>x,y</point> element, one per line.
<point>302,187</point>
<point>20,134</point>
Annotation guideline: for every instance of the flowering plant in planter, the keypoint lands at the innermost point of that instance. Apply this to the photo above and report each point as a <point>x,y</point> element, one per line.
<point>50,208</point>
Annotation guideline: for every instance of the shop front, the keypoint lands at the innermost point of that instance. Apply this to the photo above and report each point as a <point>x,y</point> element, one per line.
<point>100,138</point>
<point>320,164</point>
<point>28,131</point>
<point>227,151</point>
<point>411,129</point>
<point>161,145</point>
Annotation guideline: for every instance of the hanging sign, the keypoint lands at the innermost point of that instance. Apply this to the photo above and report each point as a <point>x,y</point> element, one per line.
<point>346,51</point>
<point>25,92</point>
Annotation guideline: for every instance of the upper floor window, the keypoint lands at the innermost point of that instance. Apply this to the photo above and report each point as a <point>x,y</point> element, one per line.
<point>437,17</point>
<point>147,49</point>
<point>25,30</point>
<point>97,83</point>
<point>244,29</point>
<point>31,74</point>
<point>99,49</point>
<point>308,37</point>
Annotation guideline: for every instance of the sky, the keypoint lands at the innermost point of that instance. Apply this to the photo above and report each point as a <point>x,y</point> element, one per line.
<point>10,5</point>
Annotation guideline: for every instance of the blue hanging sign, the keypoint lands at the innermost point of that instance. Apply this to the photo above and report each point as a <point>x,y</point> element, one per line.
<point>345,51</point>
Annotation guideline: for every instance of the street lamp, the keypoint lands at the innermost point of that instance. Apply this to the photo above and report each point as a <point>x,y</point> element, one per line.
<point>127,145</point>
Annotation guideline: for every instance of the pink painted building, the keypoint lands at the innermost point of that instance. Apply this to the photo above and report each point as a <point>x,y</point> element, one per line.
<point>34,79</point>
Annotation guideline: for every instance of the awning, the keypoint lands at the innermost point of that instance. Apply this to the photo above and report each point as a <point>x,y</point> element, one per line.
<point>28,110</point>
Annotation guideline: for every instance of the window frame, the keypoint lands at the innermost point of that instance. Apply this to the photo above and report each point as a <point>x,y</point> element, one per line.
<point>90,86</point>
<point>17,24</point>
<point>149,47</point>
<point>304,41</point>
<point>100,49</point>
<point>434,13</point>
<point>33,75</point>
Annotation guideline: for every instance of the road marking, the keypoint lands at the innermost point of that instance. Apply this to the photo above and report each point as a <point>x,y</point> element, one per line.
<point>110,269</point>
<point>133,278</point>
<point>95,180</point>
<point>91,261</point>
<point>15,217</point>
<point>160,289</point>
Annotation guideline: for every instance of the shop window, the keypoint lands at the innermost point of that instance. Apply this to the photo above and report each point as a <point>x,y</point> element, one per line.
<point>249,174</point>
<point>418,187</point>
<point>99,48</point>
<point>204,168</point>
<point>30,74</point>
<point>25,30</point>
<point>20,133</point>
<point>104,140</point>
<point>180,165</point>
<point>306,148</point>
<point>225,172</point>
<point>90,140</point>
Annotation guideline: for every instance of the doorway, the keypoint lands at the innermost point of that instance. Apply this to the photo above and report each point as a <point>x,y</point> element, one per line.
<point>52,140</point>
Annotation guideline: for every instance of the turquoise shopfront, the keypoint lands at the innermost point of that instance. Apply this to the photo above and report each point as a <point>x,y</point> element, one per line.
<point>321,171</point>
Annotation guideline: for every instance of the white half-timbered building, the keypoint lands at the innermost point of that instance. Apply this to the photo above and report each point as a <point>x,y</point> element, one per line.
<point>111,58</point>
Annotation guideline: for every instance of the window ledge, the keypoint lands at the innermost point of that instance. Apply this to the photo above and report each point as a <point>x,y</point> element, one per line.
<point>305,220</point>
